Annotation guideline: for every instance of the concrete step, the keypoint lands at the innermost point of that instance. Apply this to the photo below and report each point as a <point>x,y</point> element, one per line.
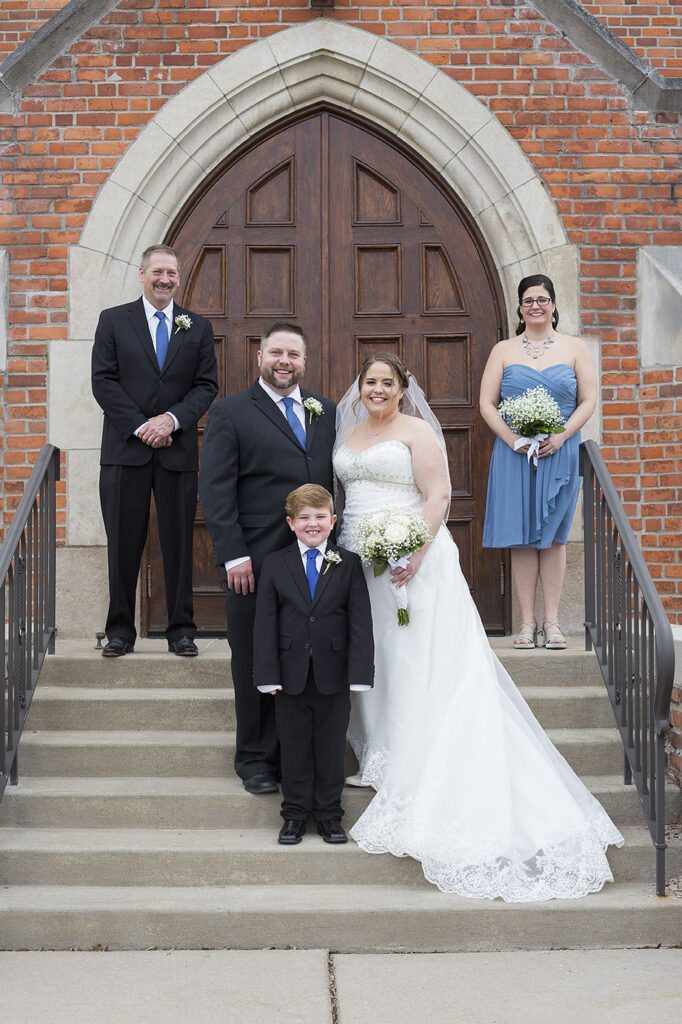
<point>228,856</point>
<point>75,707</point>
<point>76,663</point>
<point>362,918</point>
<point>210,754</point>
<point>139,709</point>
<point>186,803</point>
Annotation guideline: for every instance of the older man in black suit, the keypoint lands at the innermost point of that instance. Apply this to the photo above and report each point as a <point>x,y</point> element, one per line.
<point>154,374</point>
<point>259,445</point>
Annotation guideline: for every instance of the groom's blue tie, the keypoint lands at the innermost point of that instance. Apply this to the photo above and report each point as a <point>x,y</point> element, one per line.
<point>311,569</point>
<point>294,421</point>
<point>161,339</point>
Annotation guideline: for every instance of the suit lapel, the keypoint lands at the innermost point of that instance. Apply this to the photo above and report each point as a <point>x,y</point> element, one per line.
<point>327,571</point>
<point>294,562</point>
<point>140,327</point>
<point>310,421</point>
<point>273,413</point>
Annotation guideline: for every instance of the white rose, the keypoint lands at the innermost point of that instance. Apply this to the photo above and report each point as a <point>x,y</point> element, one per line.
<point>396,533</point>
<point>403,520</point>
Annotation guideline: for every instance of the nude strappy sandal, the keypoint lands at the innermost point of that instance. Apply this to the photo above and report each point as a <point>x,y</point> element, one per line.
<point>527,636</point>
<point>554,638</point>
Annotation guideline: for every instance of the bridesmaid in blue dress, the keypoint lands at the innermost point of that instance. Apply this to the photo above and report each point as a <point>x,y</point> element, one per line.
<point>530,512</point>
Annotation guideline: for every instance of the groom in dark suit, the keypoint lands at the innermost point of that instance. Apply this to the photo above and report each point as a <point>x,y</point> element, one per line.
<point>154,374</point>
<point>259,445</point>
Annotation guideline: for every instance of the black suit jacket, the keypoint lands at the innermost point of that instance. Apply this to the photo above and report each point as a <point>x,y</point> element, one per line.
<point>250,461</point>
<point>333,629</point>
<point>129,386</point>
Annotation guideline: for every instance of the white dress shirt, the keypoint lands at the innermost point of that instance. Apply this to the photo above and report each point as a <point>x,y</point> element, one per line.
<point>153,323</point>
<point>319,561</point>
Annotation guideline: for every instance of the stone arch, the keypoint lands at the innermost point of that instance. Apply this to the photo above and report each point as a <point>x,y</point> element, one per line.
<point>319,61</point>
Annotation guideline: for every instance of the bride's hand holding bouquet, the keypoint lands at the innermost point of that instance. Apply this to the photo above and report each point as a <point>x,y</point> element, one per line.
<point>388,538</point>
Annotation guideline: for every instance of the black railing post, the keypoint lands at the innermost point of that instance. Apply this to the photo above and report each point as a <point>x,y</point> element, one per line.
<point>587,474</point>
<point>627,625</point>
<point>27,603</point>
<point>51,559</point>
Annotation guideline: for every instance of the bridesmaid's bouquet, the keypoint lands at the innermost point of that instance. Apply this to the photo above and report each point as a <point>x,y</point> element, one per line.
<point>387,538</point>
<point>534,415</point>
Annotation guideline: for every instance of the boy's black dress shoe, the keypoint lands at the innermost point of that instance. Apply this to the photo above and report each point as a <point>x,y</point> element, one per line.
<point>117,647</point>
<point>260,784</point>
<point>291,832</point>
<point>184,646</point>
<point>331,831</point>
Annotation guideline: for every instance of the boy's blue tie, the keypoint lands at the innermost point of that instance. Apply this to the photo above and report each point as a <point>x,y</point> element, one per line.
<point>294,421</point>
<point>161,339</point>
<point>311,570</point>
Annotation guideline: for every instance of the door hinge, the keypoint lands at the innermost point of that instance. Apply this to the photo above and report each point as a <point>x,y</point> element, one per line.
<point>149,581</point>
<point>502,578</point>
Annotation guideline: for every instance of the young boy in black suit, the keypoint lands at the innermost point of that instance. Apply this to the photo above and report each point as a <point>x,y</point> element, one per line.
<point>312,644</point>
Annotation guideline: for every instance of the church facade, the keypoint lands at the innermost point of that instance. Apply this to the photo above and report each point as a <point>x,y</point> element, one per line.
<point>382,172</point>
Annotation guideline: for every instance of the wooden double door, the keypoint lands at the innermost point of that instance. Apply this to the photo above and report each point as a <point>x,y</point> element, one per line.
<point>329,224</point>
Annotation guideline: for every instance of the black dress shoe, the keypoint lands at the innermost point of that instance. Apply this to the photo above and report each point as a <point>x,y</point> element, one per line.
<point>260,784</point>
<point>117,647</point>
<point>331,831</point>
<point>184,646</point>
<point>291,832</point>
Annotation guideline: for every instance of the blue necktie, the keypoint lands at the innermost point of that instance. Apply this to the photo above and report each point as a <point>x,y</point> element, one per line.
<point>294,422</point>
<point>161,339</point>
<point>311,570</point>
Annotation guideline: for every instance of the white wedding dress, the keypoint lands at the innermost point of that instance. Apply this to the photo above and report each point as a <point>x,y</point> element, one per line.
<point>467,782</point>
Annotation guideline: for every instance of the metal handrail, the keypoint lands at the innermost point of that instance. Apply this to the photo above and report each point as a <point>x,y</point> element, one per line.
<point>627,625</point>
<point>28,557</point>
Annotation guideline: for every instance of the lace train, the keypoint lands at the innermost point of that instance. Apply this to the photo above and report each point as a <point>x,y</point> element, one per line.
<point>467,781</point>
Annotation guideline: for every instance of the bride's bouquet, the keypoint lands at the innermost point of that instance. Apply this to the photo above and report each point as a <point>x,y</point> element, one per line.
<point>387,538</point>
<point>534,415</point>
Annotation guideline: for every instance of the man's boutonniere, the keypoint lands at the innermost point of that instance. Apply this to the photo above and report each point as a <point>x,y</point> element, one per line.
<point>330,557</point>
<point>182,323</point>
<point>314,409</point>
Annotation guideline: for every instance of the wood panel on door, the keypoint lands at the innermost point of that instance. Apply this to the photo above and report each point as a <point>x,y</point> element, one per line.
<point>328,224</point>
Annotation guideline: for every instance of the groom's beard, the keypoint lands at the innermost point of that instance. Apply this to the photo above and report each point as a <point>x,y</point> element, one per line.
<point>268,375</point>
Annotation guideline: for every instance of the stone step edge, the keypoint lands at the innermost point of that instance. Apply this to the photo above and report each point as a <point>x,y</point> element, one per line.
<point>343,898</point>
<point>106,737</point>
<point>71,694</point>
<point>141,786</point>
<point>93,841</point>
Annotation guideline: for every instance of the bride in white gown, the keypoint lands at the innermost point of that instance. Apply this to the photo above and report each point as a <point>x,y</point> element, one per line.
<point>467,782</point>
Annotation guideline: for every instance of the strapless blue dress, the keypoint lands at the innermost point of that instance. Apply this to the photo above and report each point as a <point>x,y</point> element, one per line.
<point>523,508</point>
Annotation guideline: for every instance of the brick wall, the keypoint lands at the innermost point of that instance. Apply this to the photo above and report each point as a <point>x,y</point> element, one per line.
<point>652,30</point>
<point>19,19</point>
<point>613,174</point>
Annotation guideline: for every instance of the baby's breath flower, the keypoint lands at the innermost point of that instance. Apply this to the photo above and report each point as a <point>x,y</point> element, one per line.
<point>182,323</point>
<point>331,558</point>
<point>389,534</point>
<point>314,408</point>
<point>386,538</point>
<point>533,412</point>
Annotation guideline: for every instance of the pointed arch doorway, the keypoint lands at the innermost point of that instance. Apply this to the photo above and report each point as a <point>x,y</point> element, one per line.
<point>328,221</point>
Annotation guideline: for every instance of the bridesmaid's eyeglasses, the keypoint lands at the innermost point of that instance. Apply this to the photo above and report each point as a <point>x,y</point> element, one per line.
<point>542,300</point>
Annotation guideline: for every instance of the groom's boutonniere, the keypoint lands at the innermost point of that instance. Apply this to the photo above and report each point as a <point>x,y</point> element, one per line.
<point>182,323</point>
<point>314,409</point>
<point>329,557</point>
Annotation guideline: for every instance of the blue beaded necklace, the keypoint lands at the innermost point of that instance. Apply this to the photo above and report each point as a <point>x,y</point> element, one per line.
<point>533,350</point>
